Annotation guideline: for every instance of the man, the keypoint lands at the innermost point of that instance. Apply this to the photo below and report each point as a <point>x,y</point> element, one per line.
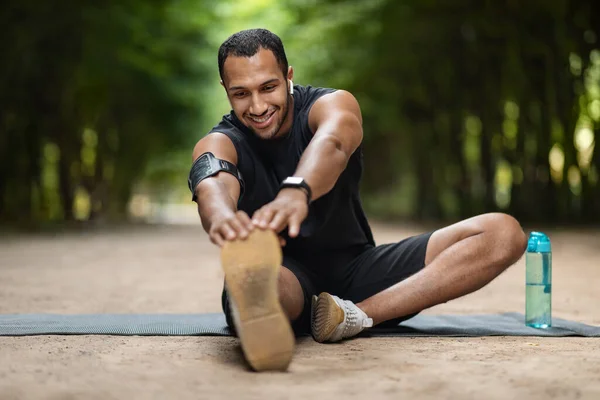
<point>277,187</point>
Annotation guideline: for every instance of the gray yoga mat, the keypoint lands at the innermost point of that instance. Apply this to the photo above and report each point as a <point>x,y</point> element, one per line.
<point>507,324</point>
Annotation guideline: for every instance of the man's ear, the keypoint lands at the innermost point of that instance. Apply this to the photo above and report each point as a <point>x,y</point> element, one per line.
<point>290,73</point>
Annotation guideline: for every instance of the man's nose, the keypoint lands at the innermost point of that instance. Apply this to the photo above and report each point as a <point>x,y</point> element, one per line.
<point>258,106</point>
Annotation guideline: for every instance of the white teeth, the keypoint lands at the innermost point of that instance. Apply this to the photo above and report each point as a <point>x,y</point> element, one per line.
<point>260,120</point>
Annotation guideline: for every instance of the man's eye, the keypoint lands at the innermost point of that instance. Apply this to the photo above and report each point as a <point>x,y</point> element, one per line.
<point>268,88</point>
<point>239,94</point>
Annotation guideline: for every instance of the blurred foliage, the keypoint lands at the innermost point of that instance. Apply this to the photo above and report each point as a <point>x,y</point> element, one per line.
<point>468,106</point>
<point>89,95</point>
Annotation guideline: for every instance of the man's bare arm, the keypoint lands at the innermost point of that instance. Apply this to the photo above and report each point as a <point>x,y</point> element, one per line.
<point>336,122</point>
<point>217,196</point>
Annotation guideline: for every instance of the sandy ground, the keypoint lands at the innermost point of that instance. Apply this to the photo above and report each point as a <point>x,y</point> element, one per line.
<point>174,269</point>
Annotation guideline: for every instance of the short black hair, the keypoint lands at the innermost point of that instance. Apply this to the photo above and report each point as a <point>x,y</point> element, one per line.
<point>248,42</point>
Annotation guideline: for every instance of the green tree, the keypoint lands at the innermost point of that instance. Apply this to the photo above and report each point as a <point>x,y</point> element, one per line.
<point>90,94</point>
<point>469,106</point>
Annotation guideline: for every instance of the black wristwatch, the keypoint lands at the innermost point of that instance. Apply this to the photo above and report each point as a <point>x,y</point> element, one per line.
<point>298,183</point>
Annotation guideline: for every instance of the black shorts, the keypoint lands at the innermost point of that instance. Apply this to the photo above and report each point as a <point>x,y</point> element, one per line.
<point>355,274</point>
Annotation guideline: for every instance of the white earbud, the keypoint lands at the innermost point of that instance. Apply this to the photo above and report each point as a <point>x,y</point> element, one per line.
<point>291,86</point>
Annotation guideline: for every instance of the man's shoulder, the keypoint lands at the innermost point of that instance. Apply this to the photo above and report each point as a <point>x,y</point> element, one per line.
<point>229,126</point>
<point>306,95</point>
<point>225,124</point>
<point>310,91</point>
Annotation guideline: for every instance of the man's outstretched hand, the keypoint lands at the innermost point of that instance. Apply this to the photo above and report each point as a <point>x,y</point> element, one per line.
<point>233,227</point>
<point>289,209</point>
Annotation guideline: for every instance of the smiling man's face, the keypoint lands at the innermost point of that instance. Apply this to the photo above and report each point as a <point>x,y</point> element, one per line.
<point>259,93</point>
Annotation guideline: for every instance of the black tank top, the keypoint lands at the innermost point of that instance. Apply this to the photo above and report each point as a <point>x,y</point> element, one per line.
<point>336,221</point>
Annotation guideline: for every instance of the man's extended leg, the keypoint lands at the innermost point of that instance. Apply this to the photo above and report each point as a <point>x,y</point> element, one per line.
<point>252,272</point>
<point>263,297</point>
<point>291,297</point>
<point>459,260</point>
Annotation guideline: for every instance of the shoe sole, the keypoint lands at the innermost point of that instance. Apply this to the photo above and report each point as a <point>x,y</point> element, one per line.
<point>251,268</point>
<point>326,317</point>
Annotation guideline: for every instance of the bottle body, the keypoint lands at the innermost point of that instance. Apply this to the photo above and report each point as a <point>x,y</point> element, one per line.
<point>538,282</point>
<point>538,290</point>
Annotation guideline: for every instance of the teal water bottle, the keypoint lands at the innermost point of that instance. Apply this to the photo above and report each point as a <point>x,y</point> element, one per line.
<point>538,281</point>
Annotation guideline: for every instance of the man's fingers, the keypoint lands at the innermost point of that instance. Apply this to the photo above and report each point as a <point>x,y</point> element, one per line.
<point>239,227</point>
<point>279,221</point>
<point>263,218</point>
<point>228,232</point>
<point>256,216</point>
<point>245,219</point>
<point>294,225</point>
<point>216,238</point>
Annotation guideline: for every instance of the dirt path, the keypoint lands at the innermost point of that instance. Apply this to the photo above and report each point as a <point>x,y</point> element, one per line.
<point>175,270</point>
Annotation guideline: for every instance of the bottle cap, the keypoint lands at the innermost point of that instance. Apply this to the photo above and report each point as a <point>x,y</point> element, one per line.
<point>538,243</point>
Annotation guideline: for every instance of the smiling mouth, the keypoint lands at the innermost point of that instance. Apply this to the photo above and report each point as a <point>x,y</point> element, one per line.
<point>262,122</point>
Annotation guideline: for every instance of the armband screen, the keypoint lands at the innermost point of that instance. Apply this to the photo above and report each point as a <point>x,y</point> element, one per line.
<point>208,165</point>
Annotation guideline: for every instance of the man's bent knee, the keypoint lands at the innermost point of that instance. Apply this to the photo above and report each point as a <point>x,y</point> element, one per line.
<point>508,239</point>
<point>498,226</point>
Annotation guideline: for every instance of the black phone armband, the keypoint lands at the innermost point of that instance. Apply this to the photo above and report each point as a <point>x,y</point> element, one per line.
<point>208,165</point>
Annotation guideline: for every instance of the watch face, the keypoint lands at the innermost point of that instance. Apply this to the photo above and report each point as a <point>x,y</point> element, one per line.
<point>294,180</point>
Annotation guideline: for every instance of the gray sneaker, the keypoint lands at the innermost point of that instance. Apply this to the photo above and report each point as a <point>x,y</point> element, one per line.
<point>334,319</point>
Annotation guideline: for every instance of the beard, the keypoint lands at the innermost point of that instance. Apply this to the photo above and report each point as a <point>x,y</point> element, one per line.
<point>277,126</point>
